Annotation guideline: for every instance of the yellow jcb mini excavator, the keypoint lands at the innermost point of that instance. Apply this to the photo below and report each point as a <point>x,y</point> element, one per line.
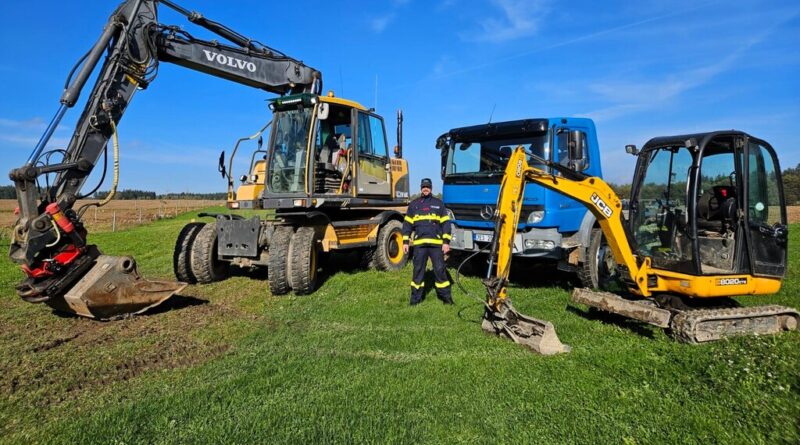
<point>707,222</point>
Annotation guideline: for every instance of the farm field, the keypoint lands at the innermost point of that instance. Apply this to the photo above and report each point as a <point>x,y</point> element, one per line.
<point>353,363</point>
<point>117,214</point>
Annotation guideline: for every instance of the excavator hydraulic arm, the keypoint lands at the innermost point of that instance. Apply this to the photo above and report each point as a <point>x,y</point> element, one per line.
<point>49,240</point>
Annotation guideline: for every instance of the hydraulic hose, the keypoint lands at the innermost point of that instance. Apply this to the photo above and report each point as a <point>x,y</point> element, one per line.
<point>113,190</point>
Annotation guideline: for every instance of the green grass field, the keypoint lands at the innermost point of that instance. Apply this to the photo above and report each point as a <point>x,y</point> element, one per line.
<point>353,363</point>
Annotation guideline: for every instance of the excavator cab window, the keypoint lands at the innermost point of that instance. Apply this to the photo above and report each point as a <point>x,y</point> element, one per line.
<point>287,163</point>
<point>333,148</point>
<point>717,208</point>
<point>766,211</point>
<point>659,224</point>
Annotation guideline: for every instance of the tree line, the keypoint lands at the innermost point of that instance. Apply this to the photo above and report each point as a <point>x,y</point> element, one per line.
<point>791,189</point>
<point>791,186</point>
<point>8,192</point>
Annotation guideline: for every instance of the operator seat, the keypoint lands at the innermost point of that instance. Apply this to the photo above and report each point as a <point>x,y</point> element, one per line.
<point>717,209</point>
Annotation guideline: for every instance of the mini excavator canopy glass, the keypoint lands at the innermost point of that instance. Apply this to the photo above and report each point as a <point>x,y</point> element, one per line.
<point>710,204</point>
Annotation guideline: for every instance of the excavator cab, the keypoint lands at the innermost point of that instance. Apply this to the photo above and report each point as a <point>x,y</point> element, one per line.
<point>710,204</point>
<point>331,149</point>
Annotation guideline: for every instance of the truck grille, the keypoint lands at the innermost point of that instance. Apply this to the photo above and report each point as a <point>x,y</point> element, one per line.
<point>473,212</point>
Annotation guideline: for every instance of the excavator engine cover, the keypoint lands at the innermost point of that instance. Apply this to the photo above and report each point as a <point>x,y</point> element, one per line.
<point>113,288</point>
<point>538,335</point>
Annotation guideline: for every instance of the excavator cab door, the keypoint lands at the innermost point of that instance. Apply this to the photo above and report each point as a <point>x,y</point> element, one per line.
<point>765,210</point>
<point>372,156</point>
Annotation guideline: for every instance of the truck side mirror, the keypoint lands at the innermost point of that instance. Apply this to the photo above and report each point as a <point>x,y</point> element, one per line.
<point>221,166</point>
<point>260,142</point>
<point>631,149</point>
<point>443,145</point>
<point>577,150</point>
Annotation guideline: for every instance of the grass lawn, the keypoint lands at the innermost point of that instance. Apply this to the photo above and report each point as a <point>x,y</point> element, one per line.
<point>353,363</point>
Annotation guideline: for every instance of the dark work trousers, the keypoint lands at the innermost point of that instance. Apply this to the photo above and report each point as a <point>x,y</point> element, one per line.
<point>421,254</point>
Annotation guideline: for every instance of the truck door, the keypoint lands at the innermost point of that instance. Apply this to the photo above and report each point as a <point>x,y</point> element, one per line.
<point>372,156</point>
<point>571,150</point>
<point>766,211</point>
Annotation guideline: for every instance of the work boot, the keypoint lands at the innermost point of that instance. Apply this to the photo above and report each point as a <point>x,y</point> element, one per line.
<point>448,300</point>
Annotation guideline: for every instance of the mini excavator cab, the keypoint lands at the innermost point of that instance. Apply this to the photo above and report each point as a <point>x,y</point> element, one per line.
<point>710,204</point>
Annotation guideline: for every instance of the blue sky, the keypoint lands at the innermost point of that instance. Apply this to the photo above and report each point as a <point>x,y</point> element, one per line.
<point>640,69</point>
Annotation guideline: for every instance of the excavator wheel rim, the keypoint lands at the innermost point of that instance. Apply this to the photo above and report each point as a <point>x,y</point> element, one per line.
<point>394,248</point>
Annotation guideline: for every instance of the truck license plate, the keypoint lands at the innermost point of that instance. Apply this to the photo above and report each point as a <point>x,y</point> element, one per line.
<point>483,237</point>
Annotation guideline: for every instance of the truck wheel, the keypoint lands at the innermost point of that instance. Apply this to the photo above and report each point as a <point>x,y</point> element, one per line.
<point>181,257</point>
<point>205,265</point>
<point>388,253</point>
<point>599,270</point>
<point>303,259</point>
<point>278,264</point>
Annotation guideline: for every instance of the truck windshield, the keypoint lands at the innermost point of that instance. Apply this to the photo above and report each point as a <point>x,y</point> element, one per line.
<point>489,157</point>
<point>287,161</point>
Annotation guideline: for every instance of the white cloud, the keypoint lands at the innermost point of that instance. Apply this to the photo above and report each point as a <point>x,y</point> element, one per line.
<point>520,18</point>
<point>33,123</point>
<point>638,96</point>
<point>379,24</point>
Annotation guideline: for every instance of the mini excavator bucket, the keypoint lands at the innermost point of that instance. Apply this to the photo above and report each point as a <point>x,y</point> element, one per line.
<point>537,335</point>
<point>500,318</point>
<point>113,288</point>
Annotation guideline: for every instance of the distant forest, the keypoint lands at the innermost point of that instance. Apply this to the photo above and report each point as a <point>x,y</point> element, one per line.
<point>791,187</point>
<point>8,192</point>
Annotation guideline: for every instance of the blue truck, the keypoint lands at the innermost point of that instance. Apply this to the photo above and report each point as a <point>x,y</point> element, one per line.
<point>552,226</point>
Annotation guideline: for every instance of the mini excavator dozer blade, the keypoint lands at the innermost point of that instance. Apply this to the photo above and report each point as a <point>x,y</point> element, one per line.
<point>112,288</point>
<point>537,335</point>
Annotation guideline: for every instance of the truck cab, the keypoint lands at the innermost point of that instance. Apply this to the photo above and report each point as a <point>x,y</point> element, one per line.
<point>552,226</point>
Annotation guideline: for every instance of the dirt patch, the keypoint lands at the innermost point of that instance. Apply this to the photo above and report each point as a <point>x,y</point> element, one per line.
<point>793,214</point>
<point>56,360</point>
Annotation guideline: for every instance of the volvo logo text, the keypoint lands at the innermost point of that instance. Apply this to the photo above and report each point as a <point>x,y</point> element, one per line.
<point>232,62</point>
<point>487,212</point>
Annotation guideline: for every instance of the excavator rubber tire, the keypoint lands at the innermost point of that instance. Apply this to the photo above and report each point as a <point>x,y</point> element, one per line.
<point>278,263</point>
<point>589,271</point>
<point>181,257</point>
<point>205,266</point>
<point>303,261</point>
<point>388,254</point>
<point>367,260</point>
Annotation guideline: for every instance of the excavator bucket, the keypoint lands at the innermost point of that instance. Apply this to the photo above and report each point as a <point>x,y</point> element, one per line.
<point>113,288</point>
<point>537,335</point>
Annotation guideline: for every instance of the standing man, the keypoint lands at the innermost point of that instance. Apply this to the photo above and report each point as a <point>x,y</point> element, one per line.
<point>427,218</point>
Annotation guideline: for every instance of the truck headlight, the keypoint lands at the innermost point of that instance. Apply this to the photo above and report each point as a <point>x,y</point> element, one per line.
<point>536,216</point>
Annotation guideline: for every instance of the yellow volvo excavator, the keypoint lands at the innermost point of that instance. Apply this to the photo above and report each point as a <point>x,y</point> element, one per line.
<point>331,180</point>
<point>707,221</point>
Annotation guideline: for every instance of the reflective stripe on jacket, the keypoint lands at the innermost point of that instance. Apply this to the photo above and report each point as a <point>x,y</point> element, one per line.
<point>427,219</point>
